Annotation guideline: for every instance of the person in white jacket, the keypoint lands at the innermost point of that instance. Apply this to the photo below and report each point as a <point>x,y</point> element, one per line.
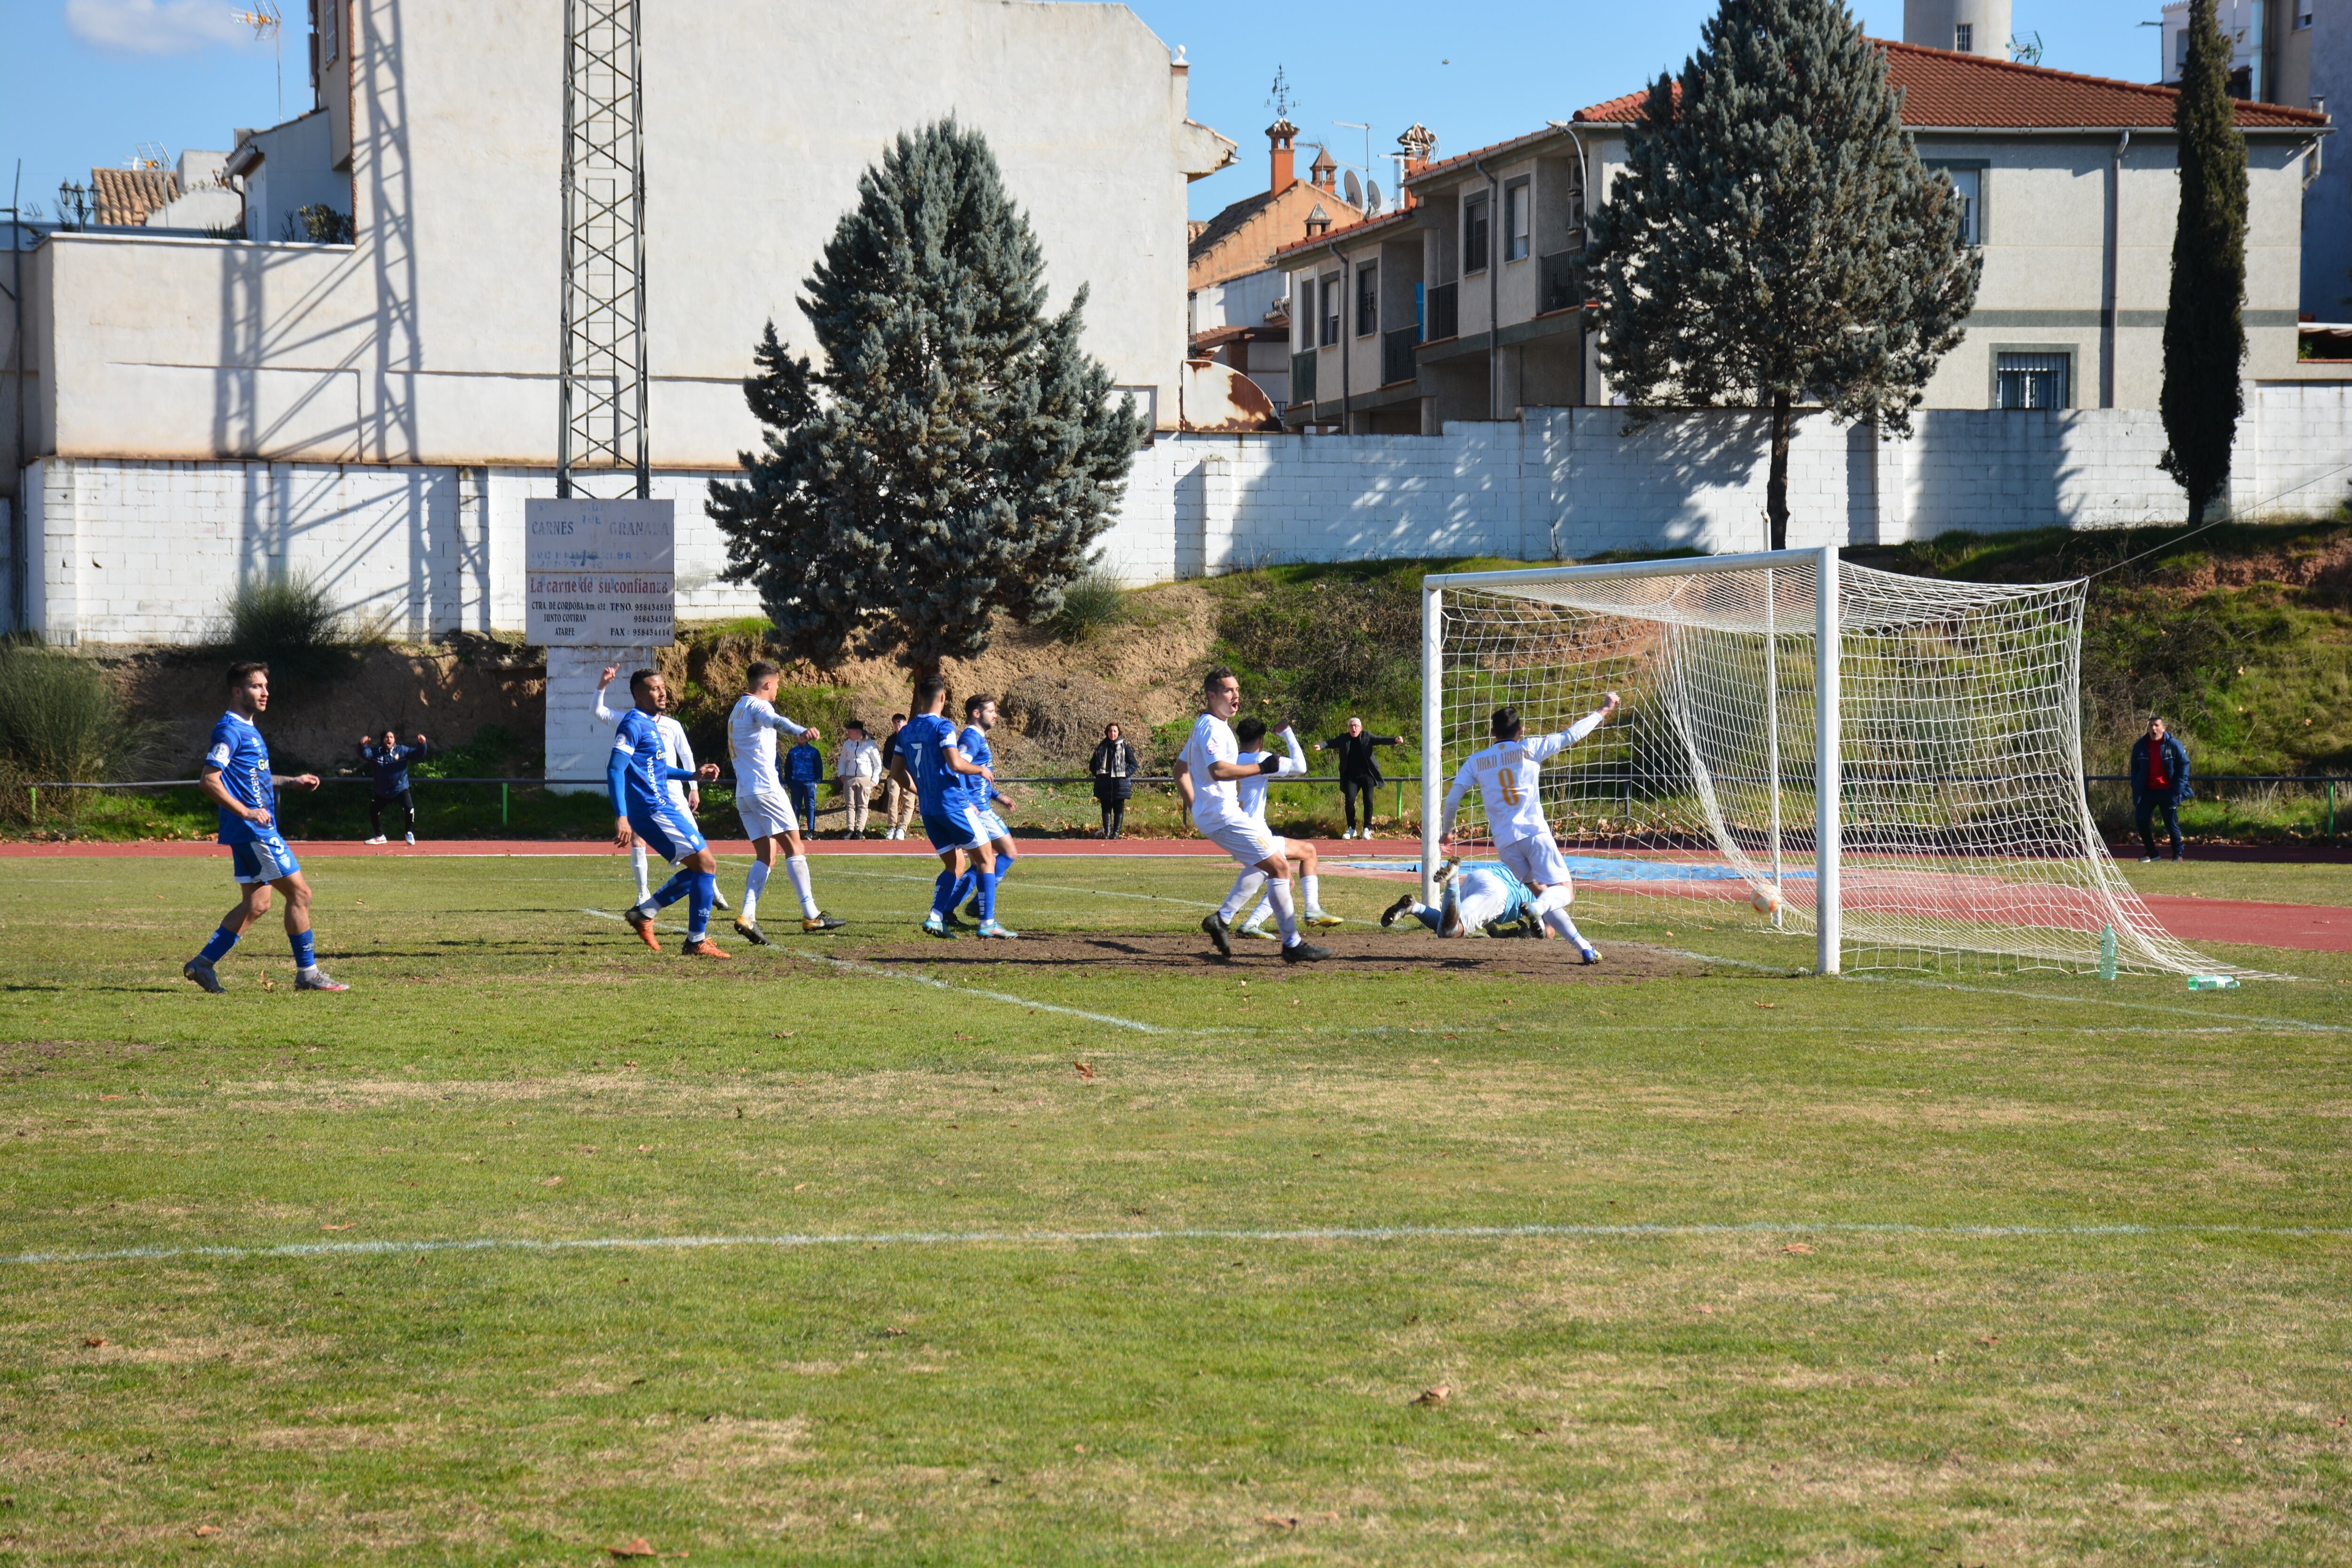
<point>857,765</point>
<point>1251,732</point>
<point>680,754</point>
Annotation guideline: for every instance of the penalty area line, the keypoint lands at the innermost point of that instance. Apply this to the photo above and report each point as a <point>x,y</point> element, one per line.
<point>855,967</point>
<point>1630,1231</point>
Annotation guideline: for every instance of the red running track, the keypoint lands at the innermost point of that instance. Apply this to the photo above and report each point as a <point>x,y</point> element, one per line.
<point>2315,928</point>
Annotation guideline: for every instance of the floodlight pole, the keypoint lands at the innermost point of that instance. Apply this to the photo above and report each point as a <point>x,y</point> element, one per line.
<point>1826,780</point>
<point>1433,715</point>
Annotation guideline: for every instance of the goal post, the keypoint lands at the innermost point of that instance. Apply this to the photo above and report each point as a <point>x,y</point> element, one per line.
<point>1888,765</point>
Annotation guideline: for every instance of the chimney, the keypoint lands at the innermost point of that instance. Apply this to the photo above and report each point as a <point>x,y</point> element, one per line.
<point>1326,170</point>
<point>1419,143</point>
<point>1318,222</point>
<point>1280,134</point>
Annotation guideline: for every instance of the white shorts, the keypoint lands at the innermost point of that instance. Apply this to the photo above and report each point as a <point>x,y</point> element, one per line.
<point>1482,897</point>
<point>765,816</point>
<point>987,828</point>
<point>1246,841</point>
<point>1535,861</point>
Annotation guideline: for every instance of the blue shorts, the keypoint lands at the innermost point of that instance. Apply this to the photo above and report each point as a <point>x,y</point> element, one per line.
<point>262,858</point>
<point>965,826</point>
<point>667,830</point>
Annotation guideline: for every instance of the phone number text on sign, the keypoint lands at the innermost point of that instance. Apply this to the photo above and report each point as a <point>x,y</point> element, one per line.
<point>598,572</point>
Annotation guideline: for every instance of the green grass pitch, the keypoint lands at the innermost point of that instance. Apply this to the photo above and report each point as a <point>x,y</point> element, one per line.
<point>1720,1267</point>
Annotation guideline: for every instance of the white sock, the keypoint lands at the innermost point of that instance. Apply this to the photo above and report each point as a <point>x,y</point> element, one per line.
<point>1554,898</point>
<point>1280,893</point>
<point>1314,890</point>
<point>755,882</point>
<point>796,867</point>
<point>637,864</point>
<point>1257,915</point>
<point>1558,920</point>
<point>1245,887</point>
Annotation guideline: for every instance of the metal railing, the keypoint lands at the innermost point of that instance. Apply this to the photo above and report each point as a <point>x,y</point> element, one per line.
<point>1398,362</point>
<point>1560,290</point>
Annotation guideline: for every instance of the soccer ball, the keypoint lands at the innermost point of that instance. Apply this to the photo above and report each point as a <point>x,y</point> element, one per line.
<point>1765,900</point>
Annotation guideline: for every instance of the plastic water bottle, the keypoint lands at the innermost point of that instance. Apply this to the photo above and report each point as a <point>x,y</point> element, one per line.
<point>2107,953</point>
<point>2212,983</point>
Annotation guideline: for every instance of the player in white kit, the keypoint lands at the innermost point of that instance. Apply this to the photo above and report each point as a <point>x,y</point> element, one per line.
<point>1251,792</point>
<point>678,752</point>
<point>764,804</point>
<point>1209,767</point>
<point>1507,775</point>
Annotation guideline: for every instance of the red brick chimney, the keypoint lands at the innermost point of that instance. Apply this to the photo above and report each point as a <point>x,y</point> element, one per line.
<point>1326,170</point>
<point>1280,134</point>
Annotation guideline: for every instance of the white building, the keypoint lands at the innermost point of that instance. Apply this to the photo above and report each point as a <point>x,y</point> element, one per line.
<point>416,363</point>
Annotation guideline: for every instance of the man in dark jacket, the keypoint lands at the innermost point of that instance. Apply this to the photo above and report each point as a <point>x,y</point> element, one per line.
<point>1358,772</point>
<point>2160,780</point>
<point>387,762</point>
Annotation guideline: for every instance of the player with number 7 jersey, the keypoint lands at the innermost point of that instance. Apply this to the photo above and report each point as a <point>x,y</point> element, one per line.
<point>1508,775</point>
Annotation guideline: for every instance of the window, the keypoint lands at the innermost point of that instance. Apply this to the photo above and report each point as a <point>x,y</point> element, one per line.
<point>1368,299</point>
<point>323,23</point>
<point>1475,223</point>
<point>2031,380</point>
<point>1964,37</point>
<point>1302,309</point>
<point>2302,16</point>
<point>1330,310</point>
<point>1969,185</point>
<point>1515,238</point>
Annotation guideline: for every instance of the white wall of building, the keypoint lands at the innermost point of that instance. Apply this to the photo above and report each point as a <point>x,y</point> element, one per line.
<point>144,551</point>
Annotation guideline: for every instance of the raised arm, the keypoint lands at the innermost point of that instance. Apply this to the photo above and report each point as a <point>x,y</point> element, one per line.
<point>1551,745</point>
<point>1298,756</point>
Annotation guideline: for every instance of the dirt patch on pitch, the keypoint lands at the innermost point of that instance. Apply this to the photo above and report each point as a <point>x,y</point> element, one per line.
<point>1371,954</point>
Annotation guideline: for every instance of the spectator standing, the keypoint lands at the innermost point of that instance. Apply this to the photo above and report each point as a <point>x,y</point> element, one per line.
<point>1360,769</point>
<point>856,764</point>
<point>2160,780</point>
<point>897,799</point>
<point>1115,767</point>
<point>803,770</point>
<point>388,761</point>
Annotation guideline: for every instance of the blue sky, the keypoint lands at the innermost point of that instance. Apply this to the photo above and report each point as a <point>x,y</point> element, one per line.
<point>90,81</point>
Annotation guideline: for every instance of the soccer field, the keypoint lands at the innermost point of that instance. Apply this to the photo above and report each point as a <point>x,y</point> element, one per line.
<point>535,1244</point>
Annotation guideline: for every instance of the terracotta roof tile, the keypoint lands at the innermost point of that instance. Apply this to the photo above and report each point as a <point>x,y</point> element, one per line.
<point>125,196</point>
<point>1353,231</point>
<point>1943,89</point>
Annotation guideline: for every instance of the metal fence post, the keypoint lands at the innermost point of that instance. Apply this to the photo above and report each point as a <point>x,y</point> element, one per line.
<point>502,805</point>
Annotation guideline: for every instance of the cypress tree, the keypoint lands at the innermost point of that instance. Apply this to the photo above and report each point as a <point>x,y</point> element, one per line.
<point>2204,331</point>
<point>1774,240</point>
<point>956,454</point>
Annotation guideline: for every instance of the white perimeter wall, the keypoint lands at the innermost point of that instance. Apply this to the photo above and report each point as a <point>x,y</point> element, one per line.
<point>147,552</point>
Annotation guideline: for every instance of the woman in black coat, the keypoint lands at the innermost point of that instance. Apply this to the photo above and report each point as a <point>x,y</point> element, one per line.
<point>1115,764</point>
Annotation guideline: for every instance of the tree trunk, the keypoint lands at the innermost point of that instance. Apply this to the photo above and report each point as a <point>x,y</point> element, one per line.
<point>1776,488</point>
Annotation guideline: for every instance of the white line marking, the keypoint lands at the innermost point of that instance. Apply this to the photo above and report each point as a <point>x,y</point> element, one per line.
<point>852,965</point>
<point>2239,1018</point>
<point>1630,1231</point>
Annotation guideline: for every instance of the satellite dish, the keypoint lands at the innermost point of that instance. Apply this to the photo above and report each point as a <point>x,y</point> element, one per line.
<point>1372,195</point>
<point>1355,190</point>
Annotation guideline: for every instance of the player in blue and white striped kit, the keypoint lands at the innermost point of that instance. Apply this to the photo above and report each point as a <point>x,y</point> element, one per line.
<point>638,775</point>
<point>236,775</point>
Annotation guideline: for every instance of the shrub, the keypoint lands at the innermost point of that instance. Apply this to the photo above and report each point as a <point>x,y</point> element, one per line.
<point>291,623</point>
<point>1093,602</point>
<point>61,718</point>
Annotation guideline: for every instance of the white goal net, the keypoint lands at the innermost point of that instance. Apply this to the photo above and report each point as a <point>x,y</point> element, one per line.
<point>1945,825</point>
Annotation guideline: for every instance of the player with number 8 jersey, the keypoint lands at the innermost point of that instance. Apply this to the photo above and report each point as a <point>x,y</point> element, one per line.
<point>1508,775</point>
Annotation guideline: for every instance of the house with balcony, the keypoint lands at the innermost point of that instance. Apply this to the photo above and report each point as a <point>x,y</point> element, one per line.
<point>2069,189</point>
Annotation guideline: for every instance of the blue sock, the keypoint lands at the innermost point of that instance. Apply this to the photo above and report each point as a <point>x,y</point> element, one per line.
<point>1433,919</point>
<point>987,880</point>
<point>680,884</point>
<point>217,949</point>
<point>944,892</point>
<point>964,887</point>
<point>697,908</point>
<point>304,958</point>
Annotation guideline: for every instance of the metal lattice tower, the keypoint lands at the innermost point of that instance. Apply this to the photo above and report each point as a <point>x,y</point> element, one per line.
<point>603,383</point>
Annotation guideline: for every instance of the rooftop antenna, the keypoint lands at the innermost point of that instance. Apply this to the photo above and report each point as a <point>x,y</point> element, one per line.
<point>1355,195</point>
<point>263,17</point>
<point>150,156</point>
<point>2025,50</point>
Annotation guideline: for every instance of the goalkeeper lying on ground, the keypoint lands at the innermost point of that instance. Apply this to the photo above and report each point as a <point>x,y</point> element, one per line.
<point>1482,896</point>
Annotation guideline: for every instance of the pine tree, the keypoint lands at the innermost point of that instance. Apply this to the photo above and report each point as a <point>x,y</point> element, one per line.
<point>2204,333</point>
<point>958,451</point>
<point>1774,240</point>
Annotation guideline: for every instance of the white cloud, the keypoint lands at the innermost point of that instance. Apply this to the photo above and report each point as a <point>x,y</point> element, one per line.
<point>155,26</point>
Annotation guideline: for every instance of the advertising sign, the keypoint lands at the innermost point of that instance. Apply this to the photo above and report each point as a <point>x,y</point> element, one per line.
<point>599,573</point>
